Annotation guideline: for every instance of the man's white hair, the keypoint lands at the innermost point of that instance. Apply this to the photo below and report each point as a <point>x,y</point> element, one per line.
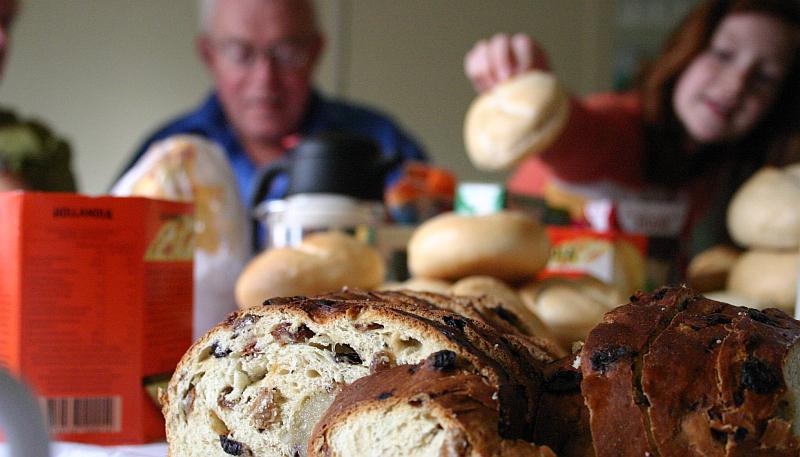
<point>206,7</point>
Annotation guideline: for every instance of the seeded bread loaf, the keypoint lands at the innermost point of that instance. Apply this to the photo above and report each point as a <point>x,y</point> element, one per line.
<point>257,383</point>
<point>673,373</point>
<point>432,409</point>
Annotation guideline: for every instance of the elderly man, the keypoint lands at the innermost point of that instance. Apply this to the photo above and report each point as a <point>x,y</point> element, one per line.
<point>262,55</point>
<point>31,156</point>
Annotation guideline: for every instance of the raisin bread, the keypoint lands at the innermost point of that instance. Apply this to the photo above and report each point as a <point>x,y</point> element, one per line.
<point>432,409</point>
<point>674,373</point>
<point>257,383</point>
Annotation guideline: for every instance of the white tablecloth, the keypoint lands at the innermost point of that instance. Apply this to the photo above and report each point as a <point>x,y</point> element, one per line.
<point>85,450</point>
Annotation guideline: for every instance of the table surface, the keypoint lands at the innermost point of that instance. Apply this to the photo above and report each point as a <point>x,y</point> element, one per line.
<point>61,449</point>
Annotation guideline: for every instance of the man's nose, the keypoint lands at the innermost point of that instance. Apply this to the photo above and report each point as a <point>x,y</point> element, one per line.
<point>265,69</point>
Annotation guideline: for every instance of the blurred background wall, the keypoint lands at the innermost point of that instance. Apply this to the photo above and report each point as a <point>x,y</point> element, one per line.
<point>104,73</point>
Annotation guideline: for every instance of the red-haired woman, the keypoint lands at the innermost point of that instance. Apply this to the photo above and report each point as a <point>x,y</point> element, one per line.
<point>720,101</point>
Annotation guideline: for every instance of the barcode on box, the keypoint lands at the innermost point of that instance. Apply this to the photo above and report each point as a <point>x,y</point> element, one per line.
<point>83,414</point>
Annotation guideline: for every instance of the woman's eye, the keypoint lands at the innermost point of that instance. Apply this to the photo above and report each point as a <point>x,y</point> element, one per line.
<point>765,79</point>
<point>721,54</point>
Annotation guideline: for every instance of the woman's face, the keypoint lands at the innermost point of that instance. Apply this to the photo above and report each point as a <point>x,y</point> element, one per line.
<point>728,88</point>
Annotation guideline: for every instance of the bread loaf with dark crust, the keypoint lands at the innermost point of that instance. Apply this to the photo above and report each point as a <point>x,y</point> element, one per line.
<point>431,409</point>
<point>257,383</point>
<point>674,373</point>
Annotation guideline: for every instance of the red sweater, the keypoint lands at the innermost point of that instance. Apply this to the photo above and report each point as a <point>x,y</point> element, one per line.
<point>604,139</point>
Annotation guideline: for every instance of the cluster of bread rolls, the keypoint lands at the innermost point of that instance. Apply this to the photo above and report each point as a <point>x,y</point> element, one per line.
<point>500,255</point>
<point>764,219</point>
<point>420,374</point>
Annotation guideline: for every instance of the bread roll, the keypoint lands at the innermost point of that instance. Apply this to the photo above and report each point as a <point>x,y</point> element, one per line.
<point>629,268</point>
<point>764,213</point>
<point>431,409</point>
<point>708,271</point>
<point>504,296</point>
<point>516,118</point>
<point>569,307</point>
<point>256,384</point>
<point>419,284</point>
<point>769,278</point>
<point>506,245</point>
<point>323,262</point>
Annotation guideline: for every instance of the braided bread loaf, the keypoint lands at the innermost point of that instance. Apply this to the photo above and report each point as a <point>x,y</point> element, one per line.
<point>674,373</point>
<point>257,383</point>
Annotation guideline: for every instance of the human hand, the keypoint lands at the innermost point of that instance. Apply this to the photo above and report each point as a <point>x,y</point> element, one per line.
<point>500,57</point>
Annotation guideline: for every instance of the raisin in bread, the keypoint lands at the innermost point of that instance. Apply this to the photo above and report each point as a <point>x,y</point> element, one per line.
<point>674,373</point>
<point>257,383</point>
<point>431,409</point>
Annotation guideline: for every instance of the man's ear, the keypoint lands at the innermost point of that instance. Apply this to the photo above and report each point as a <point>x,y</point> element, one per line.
<point>203,45</point>
<point>317,48</point>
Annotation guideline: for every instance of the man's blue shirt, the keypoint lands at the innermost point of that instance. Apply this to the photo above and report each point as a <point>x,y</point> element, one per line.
<point>323,115</point>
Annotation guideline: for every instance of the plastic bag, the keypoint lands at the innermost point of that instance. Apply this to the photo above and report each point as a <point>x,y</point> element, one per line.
<point>190,168</point>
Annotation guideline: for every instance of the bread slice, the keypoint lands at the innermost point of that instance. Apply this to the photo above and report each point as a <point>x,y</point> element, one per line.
<point>679,378</point>
<point>426,410</point>
<point>257,383</point>
<point>674,373</point>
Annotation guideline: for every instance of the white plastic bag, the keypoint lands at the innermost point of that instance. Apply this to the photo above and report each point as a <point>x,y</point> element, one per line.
<point>190,168</point>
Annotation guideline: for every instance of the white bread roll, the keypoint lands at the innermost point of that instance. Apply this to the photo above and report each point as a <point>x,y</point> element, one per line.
<point>768,278</point>
<point>570,307</point>
<point>629,268</point>
<point>765,211</point>
<point>323,262</point>
<point>420,285</point>
<point>506,245</point>
<point>708,271</point>
<point>518,117</point>
<point>505,296</point>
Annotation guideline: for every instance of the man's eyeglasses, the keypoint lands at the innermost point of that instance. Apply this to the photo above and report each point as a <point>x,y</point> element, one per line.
<point>286,55</point>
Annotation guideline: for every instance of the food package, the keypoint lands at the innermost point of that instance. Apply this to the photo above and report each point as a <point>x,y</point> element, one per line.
<point>189,168</point>
<point>95,308</point>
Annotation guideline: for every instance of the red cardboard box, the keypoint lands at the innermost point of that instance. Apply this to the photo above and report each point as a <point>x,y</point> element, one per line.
<point>95,301</point>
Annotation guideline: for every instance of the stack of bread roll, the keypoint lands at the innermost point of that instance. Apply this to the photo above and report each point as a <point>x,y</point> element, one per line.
<point>500,255</point>
<point>419,374</point>
<point>763,218</point>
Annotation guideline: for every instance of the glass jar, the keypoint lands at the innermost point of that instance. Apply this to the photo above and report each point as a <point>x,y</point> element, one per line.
<point>289,221</point>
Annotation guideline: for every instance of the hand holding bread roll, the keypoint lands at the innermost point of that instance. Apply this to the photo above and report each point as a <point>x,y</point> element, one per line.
<point>506,245</point>
<point>518,117</point>
<point>323,262</point>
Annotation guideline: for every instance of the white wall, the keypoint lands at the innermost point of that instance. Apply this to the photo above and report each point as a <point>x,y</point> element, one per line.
<point>103,73</point>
